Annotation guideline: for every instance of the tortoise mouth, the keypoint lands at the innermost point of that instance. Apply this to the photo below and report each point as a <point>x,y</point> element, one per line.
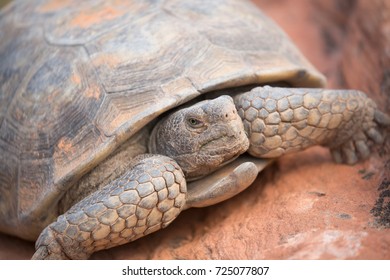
<point>212,156</point>
<point>214,148</point>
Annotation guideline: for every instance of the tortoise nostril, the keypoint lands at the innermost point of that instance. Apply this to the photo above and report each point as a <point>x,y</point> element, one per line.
<point>227,115</point>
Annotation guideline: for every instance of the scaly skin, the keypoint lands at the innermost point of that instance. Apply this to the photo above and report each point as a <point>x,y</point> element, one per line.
<point>145,199</point>
<point>201,138</point>
<point>284,120</point>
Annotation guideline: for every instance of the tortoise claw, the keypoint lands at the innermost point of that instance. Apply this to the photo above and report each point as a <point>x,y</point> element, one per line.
<point>381,118</point>
<point>362,149</point>
<point>47,247</point>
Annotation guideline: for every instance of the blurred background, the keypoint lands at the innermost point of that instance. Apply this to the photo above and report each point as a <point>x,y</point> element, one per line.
<point>3,2</point>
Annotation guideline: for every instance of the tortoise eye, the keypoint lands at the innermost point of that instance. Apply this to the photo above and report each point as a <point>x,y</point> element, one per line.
<point>195,123</point>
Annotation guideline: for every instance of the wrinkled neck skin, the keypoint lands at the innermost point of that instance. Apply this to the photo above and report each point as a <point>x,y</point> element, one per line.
<point>201,138</point>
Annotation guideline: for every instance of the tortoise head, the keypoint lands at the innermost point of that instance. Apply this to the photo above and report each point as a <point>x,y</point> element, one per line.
<point>202,137</point>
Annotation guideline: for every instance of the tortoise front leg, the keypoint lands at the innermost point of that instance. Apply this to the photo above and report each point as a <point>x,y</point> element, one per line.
<point>283,120</point>
<point>145,199</point>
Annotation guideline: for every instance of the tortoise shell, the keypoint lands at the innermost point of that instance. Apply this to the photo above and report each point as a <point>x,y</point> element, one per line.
<point>78,78</point>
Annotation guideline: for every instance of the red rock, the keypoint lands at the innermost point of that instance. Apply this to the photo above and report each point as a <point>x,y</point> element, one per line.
<point>304,206</point>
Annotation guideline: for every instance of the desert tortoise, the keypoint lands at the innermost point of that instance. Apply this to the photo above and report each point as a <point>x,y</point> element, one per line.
<point>95,153</point>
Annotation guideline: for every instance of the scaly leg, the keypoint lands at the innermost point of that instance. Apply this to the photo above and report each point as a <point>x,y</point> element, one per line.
<point>145,199</point>
<point>283,120</point>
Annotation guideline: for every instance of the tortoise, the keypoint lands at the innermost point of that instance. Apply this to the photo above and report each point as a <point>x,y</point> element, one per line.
<point>117,115</point>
